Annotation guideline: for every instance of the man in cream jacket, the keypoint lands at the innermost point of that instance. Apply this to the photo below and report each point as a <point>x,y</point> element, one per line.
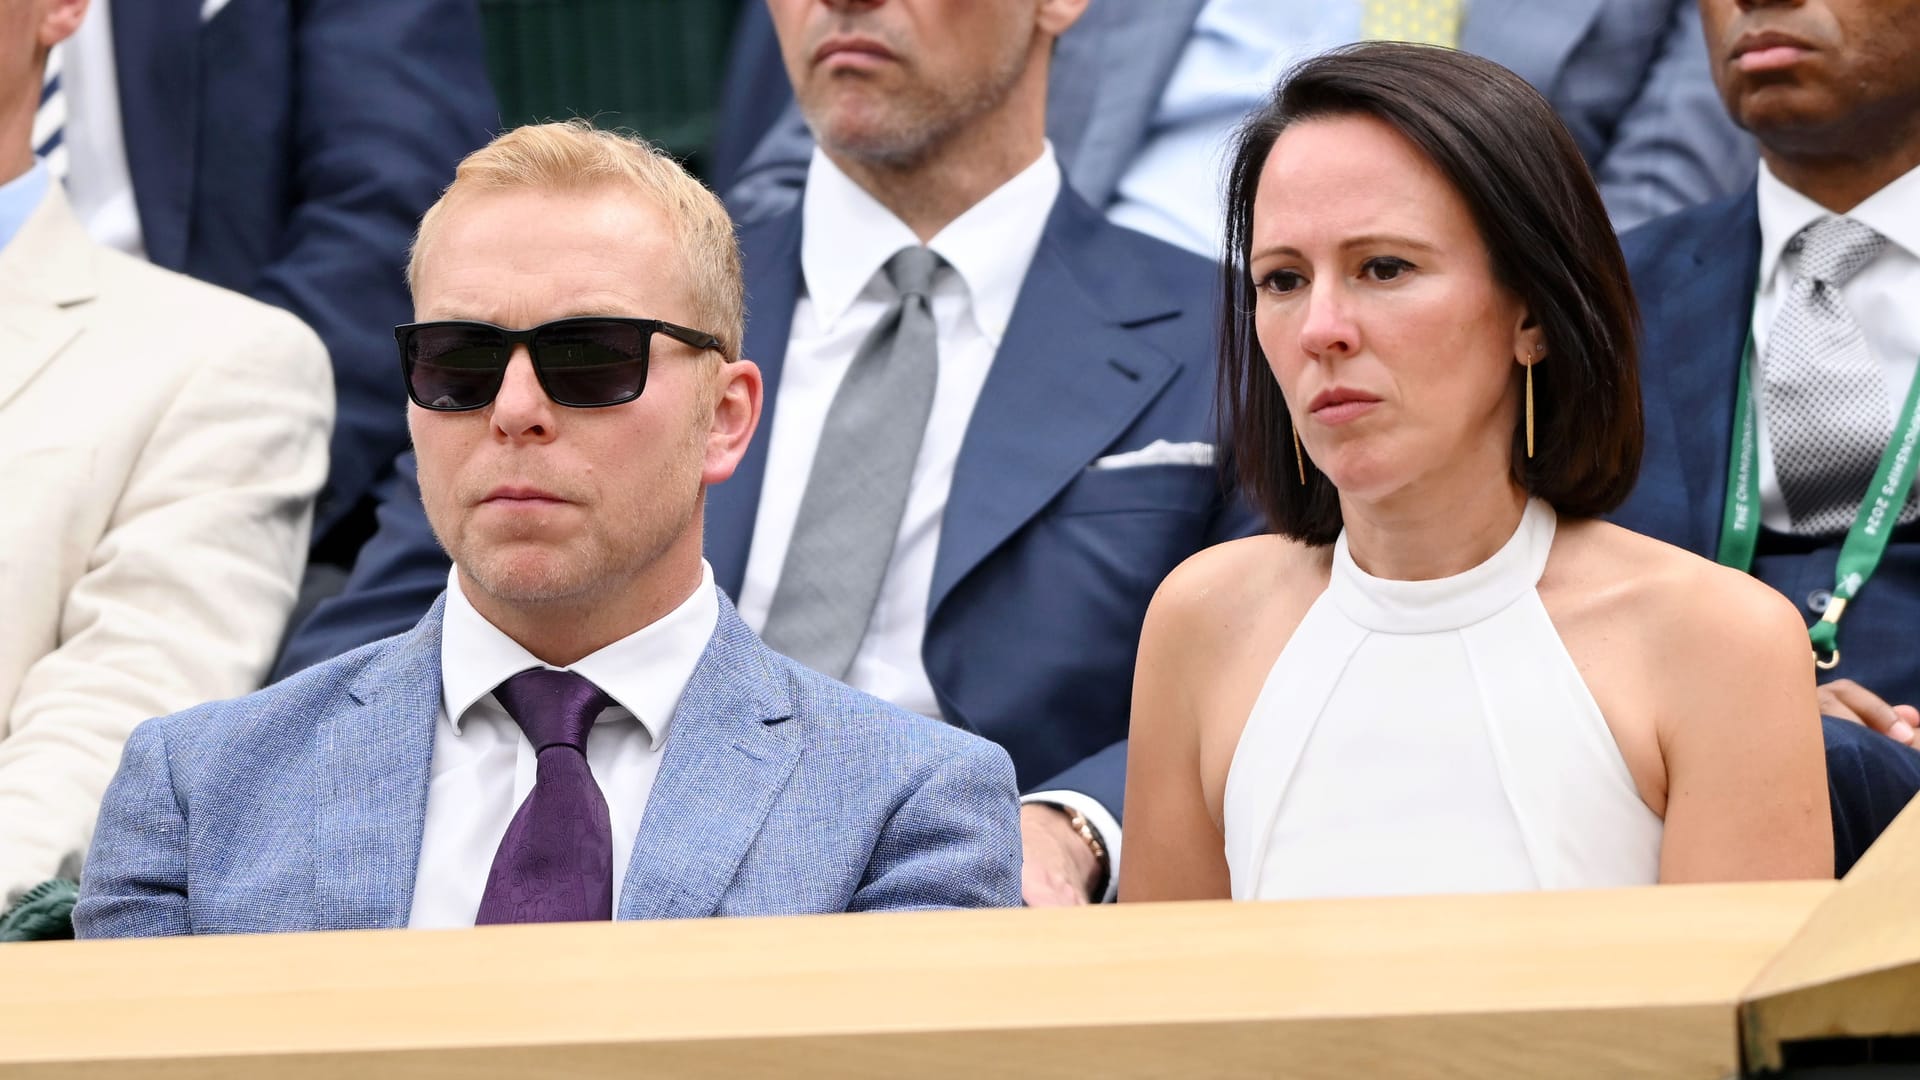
<point>162,441</point>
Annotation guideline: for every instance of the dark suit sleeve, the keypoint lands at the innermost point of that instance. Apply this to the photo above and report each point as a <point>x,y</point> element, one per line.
<point>1675,146</point>
<point>771,179</point>
<point>135,881</point>
<point>1870,779</point>
<point>394,581</point>
<point>1103,775</point>
<point>954,841</point>
<point>753,95</point>
<point>391,94</point>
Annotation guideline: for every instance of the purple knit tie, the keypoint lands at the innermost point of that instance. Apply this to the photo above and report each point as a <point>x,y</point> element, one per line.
<point>556,862</point>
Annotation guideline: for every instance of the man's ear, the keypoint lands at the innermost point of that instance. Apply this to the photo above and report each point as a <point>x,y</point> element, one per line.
<point>60,20</point>
<point>736,416</point>
<point>1055,17</point>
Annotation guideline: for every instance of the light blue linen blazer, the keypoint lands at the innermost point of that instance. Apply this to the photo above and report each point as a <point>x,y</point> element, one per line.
<point>300,807</point>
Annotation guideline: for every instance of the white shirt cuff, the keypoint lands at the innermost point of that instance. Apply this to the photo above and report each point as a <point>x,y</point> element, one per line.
<point>1105,826</point>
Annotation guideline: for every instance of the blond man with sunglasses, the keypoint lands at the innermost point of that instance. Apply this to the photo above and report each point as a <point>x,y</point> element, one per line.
<point>582,728</point>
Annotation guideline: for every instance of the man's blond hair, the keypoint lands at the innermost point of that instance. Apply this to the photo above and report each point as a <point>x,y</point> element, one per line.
<point>575,156</point>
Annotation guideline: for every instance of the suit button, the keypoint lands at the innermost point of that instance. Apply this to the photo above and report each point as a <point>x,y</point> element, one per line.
<point>1817,601</point>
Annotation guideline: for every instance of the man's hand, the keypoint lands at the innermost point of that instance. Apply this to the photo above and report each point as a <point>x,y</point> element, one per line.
<point>1057,867</point>
<point>1848,700</point>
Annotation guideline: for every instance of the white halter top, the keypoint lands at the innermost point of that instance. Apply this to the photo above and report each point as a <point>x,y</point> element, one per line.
<point>1432,737</point>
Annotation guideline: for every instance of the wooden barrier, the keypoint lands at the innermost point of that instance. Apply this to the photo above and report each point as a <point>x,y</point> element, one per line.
<point>1854,970</point>
<point>1624,983</point>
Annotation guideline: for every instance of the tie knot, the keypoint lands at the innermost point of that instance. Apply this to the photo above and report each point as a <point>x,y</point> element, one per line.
<point>554,708</point>
<point>911,271</point>
<point>1833,249</point>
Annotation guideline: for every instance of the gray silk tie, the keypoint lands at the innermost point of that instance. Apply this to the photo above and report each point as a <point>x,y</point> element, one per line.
<point>1825,399</point>
<point>857,491</point>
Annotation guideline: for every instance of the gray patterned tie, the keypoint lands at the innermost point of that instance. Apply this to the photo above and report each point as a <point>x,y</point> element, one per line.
<point>857,491</point>
<point>1825,399</point>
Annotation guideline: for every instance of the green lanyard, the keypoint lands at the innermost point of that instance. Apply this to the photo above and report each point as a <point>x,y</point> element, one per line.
<point>1872,524</point>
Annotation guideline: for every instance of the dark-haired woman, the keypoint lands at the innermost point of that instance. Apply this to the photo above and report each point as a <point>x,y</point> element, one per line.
<point>1442,674</point>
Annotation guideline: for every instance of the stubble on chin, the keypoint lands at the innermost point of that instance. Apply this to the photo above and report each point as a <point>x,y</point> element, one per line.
<point>527,574</point>
<point>583,569</point>
<point>876,137</point>
<point>902,128</point>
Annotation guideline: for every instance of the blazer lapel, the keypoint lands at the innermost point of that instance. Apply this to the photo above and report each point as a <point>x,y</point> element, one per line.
<point>1699,354</point>
<point>375,764</point>
<point>157,49</point>
<point>1532,37</point>
<point>1069,378</point>
<point>46,275</point>
<point>729,752</point>
<point>771,252</point>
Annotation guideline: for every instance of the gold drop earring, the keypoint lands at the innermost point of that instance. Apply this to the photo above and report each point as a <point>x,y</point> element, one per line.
<point>1536,359</point>
<point>1299,459</point>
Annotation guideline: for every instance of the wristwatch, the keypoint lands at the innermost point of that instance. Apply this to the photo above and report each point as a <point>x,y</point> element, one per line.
<point>1077,821</point>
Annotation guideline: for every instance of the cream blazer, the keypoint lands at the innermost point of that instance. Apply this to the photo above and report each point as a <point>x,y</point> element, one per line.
<point>161,444</point>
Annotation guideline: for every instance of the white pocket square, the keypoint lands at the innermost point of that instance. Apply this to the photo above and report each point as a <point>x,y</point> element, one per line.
<point>1159,452</point>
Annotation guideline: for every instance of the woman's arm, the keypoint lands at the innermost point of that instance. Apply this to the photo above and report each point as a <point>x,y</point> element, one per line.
<point>1174,848</point>
<point>1746,765</point>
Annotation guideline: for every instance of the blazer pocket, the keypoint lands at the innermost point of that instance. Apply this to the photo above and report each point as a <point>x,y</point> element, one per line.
<point>1162,489</point>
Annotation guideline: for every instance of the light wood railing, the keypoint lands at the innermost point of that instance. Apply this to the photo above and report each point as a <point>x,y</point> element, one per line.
<point>1623,983</point>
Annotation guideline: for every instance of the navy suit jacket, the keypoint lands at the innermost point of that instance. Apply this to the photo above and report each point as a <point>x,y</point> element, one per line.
<point>286,150</point>
<point>1045,566</point>
<point>1695,273</point>
<point>1629,77</point>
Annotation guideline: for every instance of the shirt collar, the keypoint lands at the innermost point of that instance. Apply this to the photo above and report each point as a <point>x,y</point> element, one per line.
<point>644,672</point>
<point>19,198</point>
<point>847,236</point>
<point>1893,212</point>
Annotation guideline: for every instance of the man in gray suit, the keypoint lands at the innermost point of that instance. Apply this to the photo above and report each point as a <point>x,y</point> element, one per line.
<point>1145,93</point>
<point>581,727</point>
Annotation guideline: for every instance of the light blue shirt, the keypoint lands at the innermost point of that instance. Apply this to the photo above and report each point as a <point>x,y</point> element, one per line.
<point>19,198</point>
<point>1236,53</point>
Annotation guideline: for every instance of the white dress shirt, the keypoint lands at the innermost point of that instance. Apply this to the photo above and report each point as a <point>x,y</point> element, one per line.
<point>846,237</point>
<point>1236,53</point>
<point>1884,298</point>
<point>484,766</point>
<point>98,182</point>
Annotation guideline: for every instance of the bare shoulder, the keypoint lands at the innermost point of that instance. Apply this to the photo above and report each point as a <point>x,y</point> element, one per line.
<point>1211,636</point>
<point>1222,589</point>
<point>1682,605</point>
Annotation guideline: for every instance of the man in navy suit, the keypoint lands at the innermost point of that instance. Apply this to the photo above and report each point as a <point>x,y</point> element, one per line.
<point>1816,270</point>
<point>1066,462</point>
<point>283,150</point>
<point>581,727</point>
<point>1146,93</point>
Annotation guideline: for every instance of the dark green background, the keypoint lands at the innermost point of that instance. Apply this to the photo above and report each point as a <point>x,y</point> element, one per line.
<point>653,66</point>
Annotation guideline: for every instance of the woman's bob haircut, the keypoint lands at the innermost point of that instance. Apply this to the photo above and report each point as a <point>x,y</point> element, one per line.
<point>1536,209</point>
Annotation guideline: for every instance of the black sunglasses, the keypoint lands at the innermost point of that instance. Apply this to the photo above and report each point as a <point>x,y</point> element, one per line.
<point>583,363</point>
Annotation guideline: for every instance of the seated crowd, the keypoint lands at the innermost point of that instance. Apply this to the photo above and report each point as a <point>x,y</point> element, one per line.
<point>1265,451</point>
